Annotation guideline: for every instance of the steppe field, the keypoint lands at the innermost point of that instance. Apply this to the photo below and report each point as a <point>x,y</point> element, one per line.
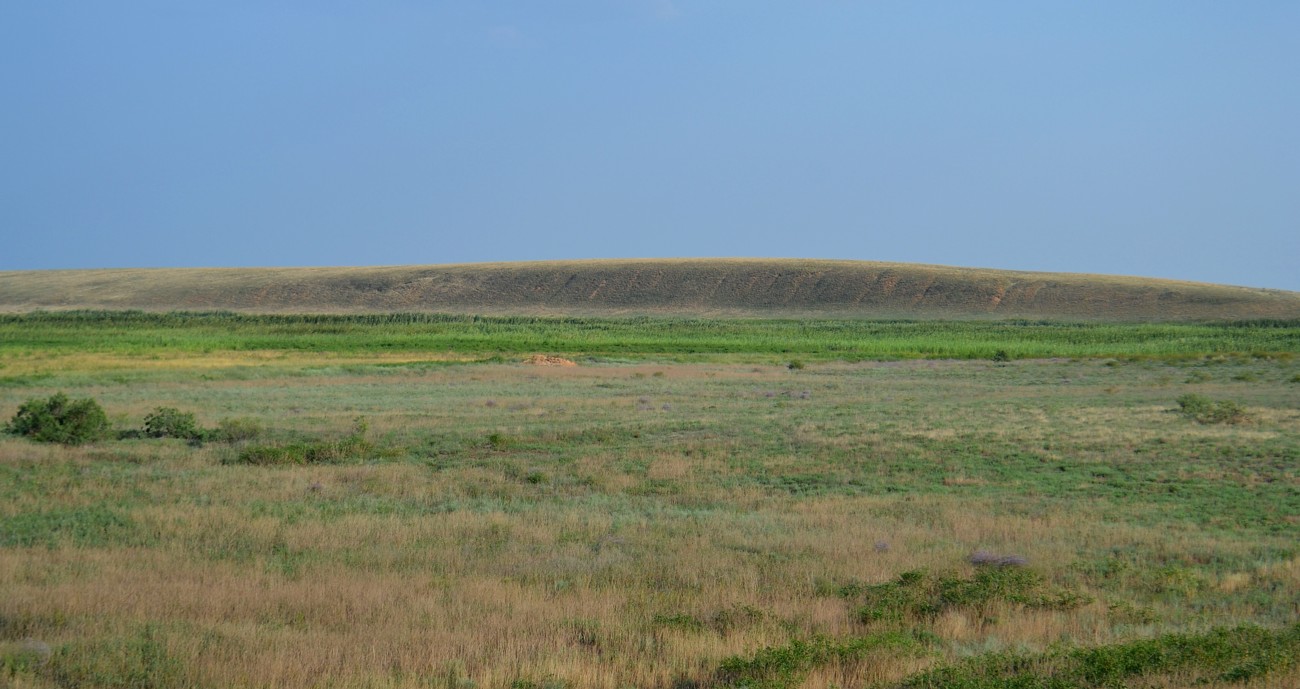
<point>403,501</point>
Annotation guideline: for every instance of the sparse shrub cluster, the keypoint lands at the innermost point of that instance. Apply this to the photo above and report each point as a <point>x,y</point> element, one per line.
<point>73,422</point>
<point>1207,411</point>
<point>60,419</point>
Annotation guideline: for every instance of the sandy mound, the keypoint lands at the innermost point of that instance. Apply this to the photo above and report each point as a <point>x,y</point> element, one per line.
<point>544,360</point>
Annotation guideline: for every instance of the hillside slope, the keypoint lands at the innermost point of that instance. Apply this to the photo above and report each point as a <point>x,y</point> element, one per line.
<point>758,287</point>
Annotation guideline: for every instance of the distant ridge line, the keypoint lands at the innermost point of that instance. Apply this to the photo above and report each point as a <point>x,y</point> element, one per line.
<point>690,287</point>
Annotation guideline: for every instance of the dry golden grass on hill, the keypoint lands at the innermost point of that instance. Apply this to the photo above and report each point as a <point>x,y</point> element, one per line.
<point>651,286</point>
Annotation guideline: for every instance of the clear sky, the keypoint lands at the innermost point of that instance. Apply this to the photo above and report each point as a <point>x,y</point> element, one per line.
<point>1145,138</point>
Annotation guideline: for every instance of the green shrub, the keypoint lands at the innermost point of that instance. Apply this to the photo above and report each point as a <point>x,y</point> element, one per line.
<point>169,422</point>
<point>238,430</point>
<point>1207,411</point>
<point>1001,356</point>
<point>918,595</point>
<point>680,620</point>
<point>795,365</point>
<point>60,420</point>
<point>786,667</point>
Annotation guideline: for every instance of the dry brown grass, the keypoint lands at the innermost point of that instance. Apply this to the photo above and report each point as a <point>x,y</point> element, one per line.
<point>450,564</point>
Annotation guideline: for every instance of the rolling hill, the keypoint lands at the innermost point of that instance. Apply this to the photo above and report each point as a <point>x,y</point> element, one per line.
<point>701,287</point>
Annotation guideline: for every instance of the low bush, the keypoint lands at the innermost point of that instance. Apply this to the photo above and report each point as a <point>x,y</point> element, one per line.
<point>918,595</point>
<point>169,422</point>
<point>60,420</point>
<point>1207,411</point>
<point>681,620</point>
<point>786,667</point>
<point>238,430</point>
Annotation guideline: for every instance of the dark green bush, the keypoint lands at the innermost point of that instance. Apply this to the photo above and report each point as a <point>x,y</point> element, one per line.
<point>1205,410</point>
<point>169,422</point>
<point>60,420</point>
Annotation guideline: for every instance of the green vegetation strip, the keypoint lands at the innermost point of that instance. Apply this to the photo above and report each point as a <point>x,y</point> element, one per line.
<point>1227,655</point>
<point>134,332</point>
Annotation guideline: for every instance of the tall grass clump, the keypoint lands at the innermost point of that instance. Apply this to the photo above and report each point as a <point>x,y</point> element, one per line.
<point>238,430</point>
<point>918,596</point>
<point>351,447</point>
<point>786,667</point>
<point>1207,411</point>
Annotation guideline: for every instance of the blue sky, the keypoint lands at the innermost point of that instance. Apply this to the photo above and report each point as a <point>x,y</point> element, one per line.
<point>1143,138</point>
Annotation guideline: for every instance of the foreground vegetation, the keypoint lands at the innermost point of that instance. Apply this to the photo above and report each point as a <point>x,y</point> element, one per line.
<point>687,516</point>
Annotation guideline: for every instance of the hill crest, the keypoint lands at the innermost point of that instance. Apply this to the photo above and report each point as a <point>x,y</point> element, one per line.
<point>698,287</point>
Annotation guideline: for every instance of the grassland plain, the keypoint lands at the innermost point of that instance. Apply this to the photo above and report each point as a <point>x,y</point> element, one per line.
<point>700,287</point>
<point>663,515</point>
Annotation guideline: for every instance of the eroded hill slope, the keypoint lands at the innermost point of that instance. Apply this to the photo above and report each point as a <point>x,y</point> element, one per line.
<point>651,286</point>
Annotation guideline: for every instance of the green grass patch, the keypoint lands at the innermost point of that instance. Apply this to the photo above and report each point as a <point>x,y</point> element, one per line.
<point>141,333</point>
<point>918,596</point>
<point>1207,411</point>
<point>1229,655</point>
<point>92,526</point>
<point>786,667</point>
